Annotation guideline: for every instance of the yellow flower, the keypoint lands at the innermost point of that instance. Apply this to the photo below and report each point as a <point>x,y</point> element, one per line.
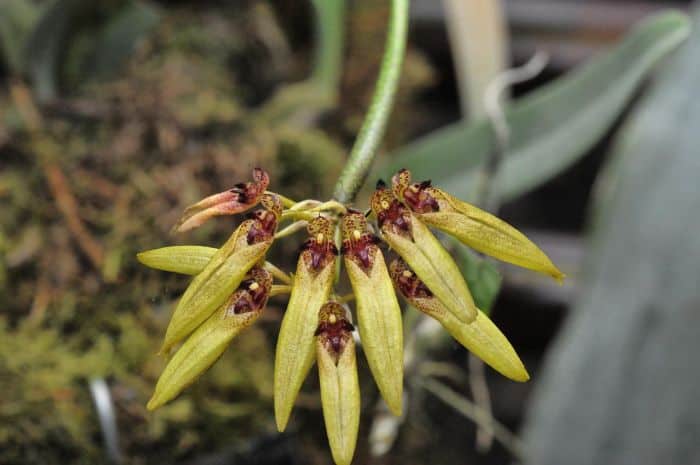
<point>481,336</point>
<point>238,199</point>
<point>295,343</point>
<point>474,227</point>
<point>378,311</point>
<point>340,388</point>
<point>412,240</point>
<point>231,285</point>
<point>208,341</point>
<point>224,272</point>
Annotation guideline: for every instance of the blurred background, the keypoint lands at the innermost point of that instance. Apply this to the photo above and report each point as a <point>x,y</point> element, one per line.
<point>115,115</point>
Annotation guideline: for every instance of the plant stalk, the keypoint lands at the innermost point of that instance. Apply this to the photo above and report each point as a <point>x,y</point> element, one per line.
<point>478,37</point>
<point>329,50</point>
<point>357,167</point>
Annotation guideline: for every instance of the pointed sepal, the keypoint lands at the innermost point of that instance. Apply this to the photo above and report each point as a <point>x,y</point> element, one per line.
<point>312,285</point>
<point>238,199</point>
<point>208,341</point>
<point>414,242</point>
<point>340,388</point>
<point>185,259</point>
<point>378,311</point>
<point>223,273</point>
<point>472,226</point>
<point>481,336</point>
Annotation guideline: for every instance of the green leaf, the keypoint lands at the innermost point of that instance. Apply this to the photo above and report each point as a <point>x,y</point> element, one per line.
<point>627,351</point>
<point>47,45</point>
<point>482,276</point>
<point>550,128</point>
<point>82,39</point>
<point>120,36</point>
<point>17,17</point>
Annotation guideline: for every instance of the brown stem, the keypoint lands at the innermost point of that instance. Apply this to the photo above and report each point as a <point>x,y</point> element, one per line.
<point>67,205</point>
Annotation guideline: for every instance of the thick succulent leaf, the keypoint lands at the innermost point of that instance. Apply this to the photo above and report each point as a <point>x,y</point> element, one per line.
<point>47,44</point>
<point>550,128</point>
<point>624,367</point>
<point>17,17</point>
<point>64,23</point>
<point>120,35</point>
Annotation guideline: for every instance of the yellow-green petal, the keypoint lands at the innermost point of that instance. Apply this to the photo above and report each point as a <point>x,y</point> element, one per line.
<point>185,259</point>
<point>481,336</point>
<point>340,396</point>
<point>435,267</point>
<point>486,233</point>
<point>208,341</point>
<point>378,310</point>
<point>210,288</point>
<point>295,343</point>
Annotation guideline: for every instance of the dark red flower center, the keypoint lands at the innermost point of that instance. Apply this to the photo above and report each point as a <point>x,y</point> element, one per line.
<point>419,198</point>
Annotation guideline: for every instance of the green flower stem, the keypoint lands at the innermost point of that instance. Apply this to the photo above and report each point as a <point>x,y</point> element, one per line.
<point>305,205</point>
<point>473,412</point>
<point>280,289</point>
<point>297,215</point>
<point>343,299</point>
<point>291,229</point>
<point>286,202</point>
<point>357,167</point>
<point>277,273</point>
<point>329,51</point>
<point>331,205</point>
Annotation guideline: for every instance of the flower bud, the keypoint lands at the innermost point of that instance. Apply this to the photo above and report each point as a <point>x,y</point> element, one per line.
<point>481,336</point>
<point>312,284</point>
<point>238,199</point>
<point>340,388</point>
<point>223,273</point>
<point>472,226</point>
<point>414,242</point>
<point>209,340</point>
<point>378,311</point>
<point>185,259</point>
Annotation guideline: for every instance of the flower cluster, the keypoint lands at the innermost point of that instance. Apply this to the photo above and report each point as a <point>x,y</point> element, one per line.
<point>232,284</point>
